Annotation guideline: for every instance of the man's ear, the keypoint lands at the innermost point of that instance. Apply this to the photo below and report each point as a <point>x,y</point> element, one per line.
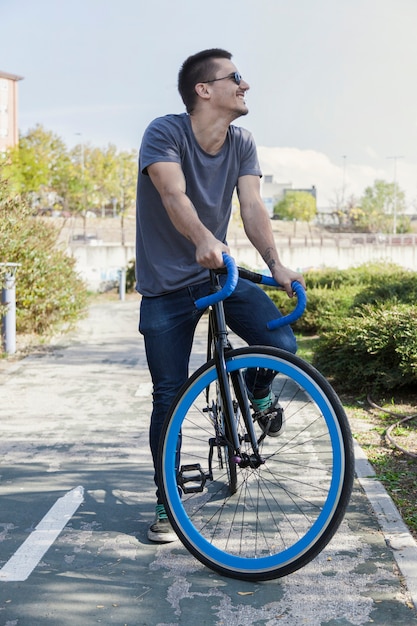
<point>202,90</point>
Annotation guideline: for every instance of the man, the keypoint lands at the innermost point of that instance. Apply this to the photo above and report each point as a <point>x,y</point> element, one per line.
<point>189,166</point>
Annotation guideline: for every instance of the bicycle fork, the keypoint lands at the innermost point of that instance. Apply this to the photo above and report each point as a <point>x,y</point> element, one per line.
<point>192,478</point>
<point>233,441</point>
<point>240,457</point>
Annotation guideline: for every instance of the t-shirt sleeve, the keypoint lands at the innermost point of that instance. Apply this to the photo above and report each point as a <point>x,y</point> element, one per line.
<point>249,163</point>
<point>159,144</point>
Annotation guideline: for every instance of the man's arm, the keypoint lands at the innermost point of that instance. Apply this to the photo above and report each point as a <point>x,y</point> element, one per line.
<point>168,178</point>
<point>258,228</point>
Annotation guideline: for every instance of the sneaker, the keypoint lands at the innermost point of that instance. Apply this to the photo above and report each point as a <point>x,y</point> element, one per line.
<point>269,414</point>
<point>161,530</point>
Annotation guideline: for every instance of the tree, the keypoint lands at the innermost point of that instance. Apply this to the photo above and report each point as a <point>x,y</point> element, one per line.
<point>98,177</point>
<point>39,168</point>
<point>109,177</point>
<point>128,172</point>
<point>296,205</point>
<point>344,212</point>
<point>127,185</point>
<point>45,174</point>
<point>379,206</point>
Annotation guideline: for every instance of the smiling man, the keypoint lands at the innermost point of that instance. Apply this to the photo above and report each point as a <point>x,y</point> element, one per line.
<point>189,166</point>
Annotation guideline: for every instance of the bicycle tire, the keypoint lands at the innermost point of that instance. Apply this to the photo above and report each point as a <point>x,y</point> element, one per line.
<point>285,511</point>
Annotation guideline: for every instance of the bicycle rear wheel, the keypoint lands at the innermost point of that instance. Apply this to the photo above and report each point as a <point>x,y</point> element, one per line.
<point>283,512</point>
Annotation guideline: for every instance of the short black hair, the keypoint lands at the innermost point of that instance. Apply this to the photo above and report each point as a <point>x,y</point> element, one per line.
<point>198,68</point>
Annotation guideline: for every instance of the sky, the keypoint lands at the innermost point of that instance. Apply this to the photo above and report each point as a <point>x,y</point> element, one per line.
<point>333,97</point>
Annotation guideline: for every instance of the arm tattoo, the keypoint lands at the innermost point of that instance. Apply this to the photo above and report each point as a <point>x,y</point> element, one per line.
<point>268,257</point>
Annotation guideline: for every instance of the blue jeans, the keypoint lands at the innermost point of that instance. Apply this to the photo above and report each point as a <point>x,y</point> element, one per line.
<point>168,323</point>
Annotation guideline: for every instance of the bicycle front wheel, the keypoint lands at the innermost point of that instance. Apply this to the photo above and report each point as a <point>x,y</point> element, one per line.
<point>283,511</point>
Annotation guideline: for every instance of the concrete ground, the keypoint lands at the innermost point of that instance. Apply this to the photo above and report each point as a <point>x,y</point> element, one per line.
<point>74,454</point>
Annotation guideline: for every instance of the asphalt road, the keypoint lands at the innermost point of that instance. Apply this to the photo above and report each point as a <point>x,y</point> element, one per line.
<point>77,495</point>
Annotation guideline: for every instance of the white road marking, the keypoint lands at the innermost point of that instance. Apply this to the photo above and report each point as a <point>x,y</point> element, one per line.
<point>26,558</point>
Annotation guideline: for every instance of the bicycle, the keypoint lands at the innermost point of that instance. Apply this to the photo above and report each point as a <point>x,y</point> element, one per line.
<point>246,504</point>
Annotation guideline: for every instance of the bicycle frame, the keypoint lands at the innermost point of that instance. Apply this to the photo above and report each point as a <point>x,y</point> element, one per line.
<point>217,346</point>
<point>250,517</point>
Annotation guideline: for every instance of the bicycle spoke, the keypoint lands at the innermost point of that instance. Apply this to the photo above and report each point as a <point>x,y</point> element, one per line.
<point>277,512</point>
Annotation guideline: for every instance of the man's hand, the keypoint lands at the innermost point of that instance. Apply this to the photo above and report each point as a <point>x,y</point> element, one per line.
<point>285,277</point>
<point>209,252</point>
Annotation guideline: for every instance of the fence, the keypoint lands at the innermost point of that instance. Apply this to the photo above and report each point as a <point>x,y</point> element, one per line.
<point>99,264</point>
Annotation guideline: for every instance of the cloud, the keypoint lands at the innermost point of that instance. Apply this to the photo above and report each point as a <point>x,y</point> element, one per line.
<point>304,168</point>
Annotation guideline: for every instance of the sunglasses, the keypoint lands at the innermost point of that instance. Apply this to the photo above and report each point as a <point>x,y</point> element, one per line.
<point>235,76</point>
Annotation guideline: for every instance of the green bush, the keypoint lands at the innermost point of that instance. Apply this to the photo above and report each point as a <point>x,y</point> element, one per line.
<point>365,319</point>
<point>373,350</point>
<point>400,287</point>
<point>331,278</point>
<point>335,294</point>
<point>131,276</point>
<point>325,305</point>
<point>361,276</point>
<point>48,291</point>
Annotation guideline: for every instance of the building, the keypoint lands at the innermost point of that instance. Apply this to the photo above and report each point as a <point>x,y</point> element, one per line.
<point>273,192</point>
<point>9,130</point>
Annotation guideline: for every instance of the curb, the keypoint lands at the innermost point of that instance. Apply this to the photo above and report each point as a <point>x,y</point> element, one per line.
<point>397,536</point>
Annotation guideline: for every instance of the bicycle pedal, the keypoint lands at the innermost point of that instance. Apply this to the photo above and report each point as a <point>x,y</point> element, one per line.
<point>191,478</point>
<point>268,414</point>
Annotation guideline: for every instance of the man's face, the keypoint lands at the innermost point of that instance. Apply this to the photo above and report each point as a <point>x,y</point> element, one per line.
<point>226,93</point>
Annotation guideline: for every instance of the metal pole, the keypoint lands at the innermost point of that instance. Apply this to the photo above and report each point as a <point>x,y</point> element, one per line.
<point>84,203</point>
<point>122,283</point>
<point>394,227</point>
<point>344,181</point>
<point>8,298</point>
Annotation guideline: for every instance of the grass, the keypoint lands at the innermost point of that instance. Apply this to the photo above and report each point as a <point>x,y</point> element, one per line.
<point>396,470</point>
<point>306,347</point>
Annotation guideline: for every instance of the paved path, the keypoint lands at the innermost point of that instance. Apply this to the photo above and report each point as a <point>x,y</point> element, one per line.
<point>76,497</point>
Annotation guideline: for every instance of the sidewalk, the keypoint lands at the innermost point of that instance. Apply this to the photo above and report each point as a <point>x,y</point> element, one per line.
<point>75,416</point>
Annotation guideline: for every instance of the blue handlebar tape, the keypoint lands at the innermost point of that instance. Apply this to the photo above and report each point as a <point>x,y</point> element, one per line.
<point>231,282</point>
<point>226,290</point>
<point>299,308</point>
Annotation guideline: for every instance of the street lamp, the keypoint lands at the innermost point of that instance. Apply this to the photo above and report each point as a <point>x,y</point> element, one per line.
<point>394,226</point>
<point>82,152</point>
<point>344,180</point>
<point>84,212</point>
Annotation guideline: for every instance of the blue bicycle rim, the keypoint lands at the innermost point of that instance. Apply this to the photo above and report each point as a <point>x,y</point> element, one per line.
<point>287,556</point>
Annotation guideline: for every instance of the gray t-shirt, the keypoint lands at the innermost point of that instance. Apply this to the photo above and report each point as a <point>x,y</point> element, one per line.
<point>165,259</point>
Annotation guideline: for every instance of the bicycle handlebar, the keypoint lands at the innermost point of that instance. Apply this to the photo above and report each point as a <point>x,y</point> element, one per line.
<point>233,272</point>
<point>300,307</point>
<point>227,289</point>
